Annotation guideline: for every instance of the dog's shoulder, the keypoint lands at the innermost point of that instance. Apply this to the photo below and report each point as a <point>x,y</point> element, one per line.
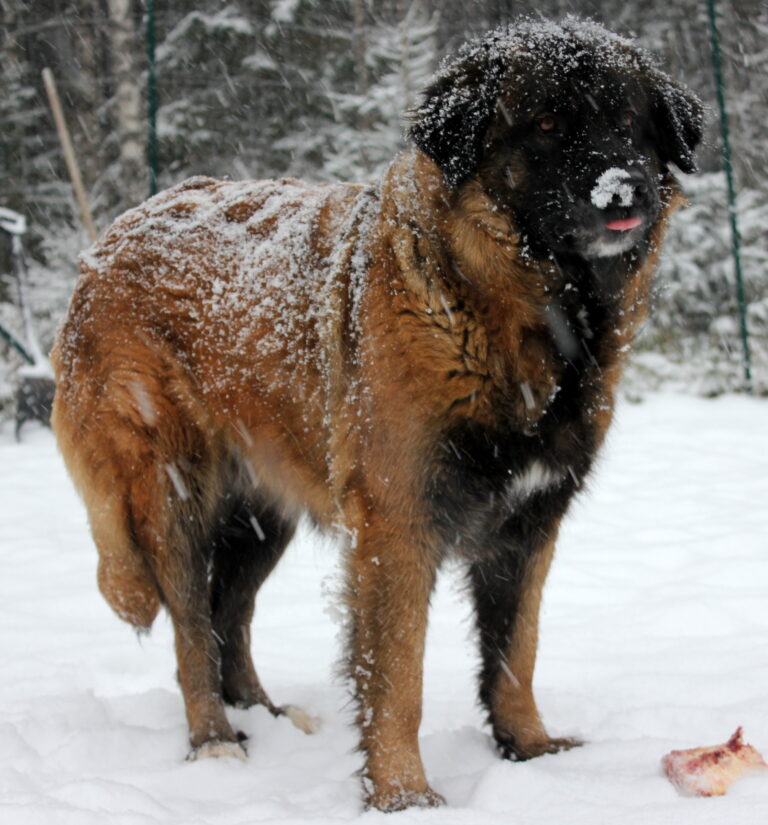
<point>467,308</point>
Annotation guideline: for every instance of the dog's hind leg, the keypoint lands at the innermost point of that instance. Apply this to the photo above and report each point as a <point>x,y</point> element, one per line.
<point>150,519</point>
<point>507,593</point>
<point>152,467</point>
<point>250,539</point>
<point>172,521</point>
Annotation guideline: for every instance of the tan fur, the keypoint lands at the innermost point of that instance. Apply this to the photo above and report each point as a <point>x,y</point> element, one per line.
<point>187,350</point>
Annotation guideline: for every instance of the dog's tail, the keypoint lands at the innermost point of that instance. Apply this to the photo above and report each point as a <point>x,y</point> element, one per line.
<point>124,578</point>
<point>97,468</point>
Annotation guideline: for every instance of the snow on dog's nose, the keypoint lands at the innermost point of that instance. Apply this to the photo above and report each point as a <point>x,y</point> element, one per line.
<point>613,184</point>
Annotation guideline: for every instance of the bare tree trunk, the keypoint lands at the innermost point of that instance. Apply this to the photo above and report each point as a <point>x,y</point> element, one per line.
<point>361,75</point>
<point>128,103</point>
<point>12,144</point>
<point>405,53</point>
<point>80,70</point>
<point>417,27</point>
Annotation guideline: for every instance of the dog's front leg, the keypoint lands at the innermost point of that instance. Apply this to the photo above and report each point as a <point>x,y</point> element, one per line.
<point>389,583</point>
<point>507,592</point>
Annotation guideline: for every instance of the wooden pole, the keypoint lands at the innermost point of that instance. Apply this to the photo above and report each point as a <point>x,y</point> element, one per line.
<point>152,97</point>
<point>69,153</point>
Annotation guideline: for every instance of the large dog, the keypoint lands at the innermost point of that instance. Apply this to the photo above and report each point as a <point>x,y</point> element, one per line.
<point>425,365</point>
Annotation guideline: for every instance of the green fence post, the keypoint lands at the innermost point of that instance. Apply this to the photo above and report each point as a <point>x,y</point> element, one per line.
<point>11,339</point>
<point>728,164</point>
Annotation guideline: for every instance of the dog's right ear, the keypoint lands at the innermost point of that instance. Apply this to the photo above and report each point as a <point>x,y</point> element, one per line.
<point>451,123</point>
<point>677,117</point>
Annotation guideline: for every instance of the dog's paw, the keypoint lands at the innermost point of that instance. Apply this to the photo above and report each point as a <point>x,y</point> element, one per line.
<point>301,719</point>
<point>389,801</point>
<point>510,748</point>
<point>218,750</point>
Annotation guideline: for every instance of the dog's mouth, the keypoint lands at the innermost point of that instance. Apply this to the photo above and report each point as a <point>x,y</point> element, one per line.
<point>612,234</point>
<point>590,232</point>
<point>623,224</point>
<point>602,236</point>
<point>579,227</point>
<point>602,217</point>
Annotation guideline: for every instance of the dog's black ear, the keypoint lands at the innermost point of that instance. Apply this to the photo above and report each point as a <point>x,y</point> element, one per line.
<point>451,123</point>
<point>677,116</point>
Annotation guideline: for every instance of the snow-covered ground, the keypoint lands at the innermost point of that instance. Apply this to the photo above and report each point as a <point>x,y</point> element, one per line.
<point>655,636</point>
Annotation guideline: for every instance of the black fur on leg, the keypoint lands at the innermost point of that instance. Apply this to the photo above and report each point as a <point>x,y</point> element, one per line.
<point>497,589</point>
<point>249,541</point>
<point>499,584</point>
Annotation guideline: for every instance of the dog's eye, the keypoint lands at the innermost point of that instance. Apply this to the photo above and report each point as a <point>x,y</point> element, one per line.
<point>547,123</point>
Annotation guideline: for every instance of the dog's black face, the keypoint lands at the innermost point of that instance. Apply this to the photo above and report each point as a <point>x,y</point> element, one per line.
<point>575,161</point>
<point>568,128</point>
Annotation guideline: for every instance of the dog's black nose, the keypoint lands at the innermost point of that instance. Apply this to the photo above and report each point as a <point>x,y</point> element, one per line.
<point>632,191</point>
<point>639,183</point>
<point>620,187</point>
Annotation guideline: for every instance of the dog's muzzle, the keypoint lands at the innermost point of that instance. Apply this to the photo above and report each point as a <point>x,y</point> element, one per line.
<point>621,207</point>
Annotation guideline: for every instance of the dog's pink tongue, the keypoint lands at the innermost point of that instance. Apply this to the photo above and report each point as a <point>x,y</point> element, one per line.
<point>623,224</point>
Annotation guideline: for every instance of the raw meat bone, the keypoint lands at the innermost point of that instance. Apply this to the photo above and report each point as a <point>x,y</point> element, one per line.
<point>711,771</point>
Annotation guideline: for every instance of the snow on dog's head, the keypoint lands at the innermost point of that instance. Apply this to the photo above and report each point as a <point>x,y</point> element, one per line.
<point>539,113</point>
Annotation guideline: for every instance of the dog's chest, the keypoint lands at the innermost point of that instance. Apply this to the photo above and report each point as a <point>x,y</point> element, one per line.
<point>498,483</point>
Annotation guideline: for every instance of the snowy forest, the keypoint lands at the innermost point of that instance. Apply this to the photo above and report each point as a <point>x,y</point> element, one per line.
<point>319,89</point>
